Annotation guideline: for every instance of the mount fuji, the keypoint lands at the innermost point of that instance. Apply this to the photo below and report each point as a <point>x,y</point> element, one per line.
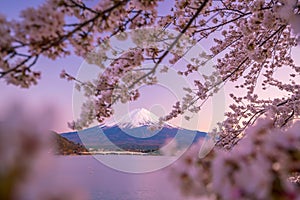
<point>133,132</point>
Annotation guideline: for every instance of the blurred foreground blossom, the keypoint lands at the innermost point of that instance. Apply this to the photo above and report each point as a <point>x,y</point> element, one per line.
<point>260,166</point>
<point>26,159</point>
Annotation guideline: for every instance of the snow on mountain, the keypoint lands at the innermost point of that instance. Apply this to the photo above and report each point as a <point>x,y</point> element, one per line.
<point>137,118</point>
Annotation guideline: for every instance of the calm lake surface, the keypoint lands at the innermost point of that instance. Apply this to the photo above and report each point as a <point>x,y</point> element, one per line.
<point>104,183</point>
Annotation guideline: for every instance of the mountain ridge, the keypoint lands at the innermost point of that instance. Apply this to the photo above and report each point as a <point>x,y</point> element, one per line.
<point>132,133</point>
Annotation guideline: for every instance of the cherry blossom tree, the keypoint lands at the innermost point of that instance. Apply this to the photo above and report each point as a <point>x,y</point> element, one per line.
<point>253,40</point>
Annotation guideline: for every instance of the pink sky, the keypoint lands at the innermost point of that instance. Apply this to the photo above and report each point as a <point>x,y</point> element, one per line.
<point>52,90</point>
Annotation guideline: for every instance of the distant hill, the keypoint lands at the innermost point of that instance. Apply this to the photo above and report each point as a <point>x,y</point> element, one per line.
<point>132,133</point>
<point>67,147</point>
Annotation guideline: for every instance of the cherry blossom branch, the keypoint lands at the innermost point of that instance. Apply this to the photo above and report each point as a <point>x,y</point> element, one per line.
<point>170,47</point>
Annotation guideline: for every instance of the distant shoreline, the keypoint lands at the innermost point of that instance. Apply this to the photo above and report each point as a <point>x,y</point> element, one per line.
<point>112,153</point>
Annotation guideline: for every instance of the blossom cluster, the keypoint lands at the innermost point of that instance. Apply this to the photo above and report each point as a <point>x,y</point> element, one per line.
<point>54,27</point>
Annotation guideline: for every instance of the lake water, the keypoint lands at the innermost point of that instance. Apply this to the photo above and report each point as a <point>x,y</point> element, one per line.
<point>104,183</point>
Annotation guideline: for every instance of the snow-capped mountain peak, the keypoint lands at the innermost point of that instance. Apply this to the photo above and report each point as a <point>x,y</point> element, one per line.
<point>137,118</point>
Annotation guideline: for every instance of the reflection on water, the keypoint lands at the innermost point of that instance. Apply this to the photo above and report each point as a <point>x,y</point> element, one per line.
<point>104,183</point>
